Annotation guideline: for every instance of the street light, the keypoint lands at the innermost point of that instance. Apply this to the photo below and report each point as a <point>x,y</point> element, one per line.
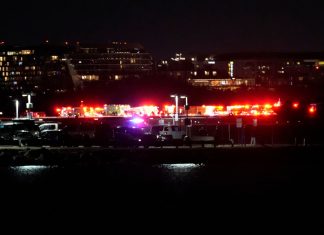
<point>29,104</point>
<point>185,97</point>
<point>187,121</point>
<point>17,109</point>
<point>176,97</point>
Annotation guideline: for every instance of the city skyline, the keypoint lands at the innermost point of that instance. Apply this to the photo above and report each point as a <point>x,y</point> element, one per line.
<point>165,28</point>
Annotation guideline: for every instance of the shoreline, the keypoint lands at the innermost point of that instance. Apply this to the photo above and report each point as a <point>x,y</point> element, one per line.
<point>98,156</point>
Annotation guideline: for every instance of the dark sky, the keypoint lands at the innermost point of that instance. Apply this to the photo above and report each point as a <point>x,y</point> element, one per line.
<point>165,27</point>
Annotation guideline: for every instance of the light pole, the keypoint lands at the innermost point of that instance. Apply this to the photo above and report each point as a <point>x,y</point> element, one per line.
<point>17,109</point>
<point>29,104</point>
<point>185,97</point>
<point>186,108</point>
<point>176,116</point>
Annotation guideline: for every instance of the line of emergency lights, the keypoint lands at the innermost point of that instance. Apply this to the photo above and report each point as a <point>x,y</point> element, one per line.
<point>169,110</point>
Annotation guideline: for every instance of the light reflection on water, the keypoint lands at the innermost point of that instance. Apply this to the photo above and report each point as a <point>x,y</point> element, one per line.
<point>181,167</point>
<point>31,169</point>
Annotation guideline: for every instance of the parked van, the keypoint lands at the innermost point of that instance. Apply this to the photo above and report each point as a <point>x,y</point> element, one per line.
<point>172,133</point>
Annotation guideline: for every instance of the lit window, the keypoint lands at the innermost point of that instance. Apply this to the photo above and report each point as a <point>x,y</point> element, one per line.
<point>231,69</point>
<point>11,53</point>
<point>90,77</point>
<point>26,52</point>
<point>54,57</point>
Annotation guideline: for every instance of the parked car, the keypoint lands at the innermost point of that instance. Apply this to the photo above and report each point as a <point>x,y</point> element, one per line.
<point>25,138</point>
<point>133,137</point>
<point>52,137</point>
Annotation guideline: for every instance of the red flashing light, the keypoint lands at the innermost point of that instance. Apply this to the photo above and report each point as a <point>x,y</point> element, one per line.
<point>312,109</point>
<point>295,105</point>
<point>58,110</point>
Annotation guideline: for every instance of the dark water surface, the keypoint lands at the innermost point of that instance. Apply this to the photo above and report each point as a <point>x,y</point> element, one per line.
<point>276,194</point>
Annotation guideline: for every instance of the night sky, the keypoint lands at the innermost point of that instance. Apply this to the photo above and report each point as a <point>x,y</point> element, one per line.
<point>165,27</point>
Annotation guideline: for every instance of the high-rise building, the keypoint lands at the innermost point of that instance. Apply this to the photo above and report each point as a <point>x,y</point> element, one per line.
<point>34,68</point>
<point>101,64</point>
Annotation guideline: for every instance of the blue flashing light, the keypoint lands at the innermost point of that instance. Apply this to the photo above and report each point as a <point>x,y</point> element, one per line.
<point>137,120</point>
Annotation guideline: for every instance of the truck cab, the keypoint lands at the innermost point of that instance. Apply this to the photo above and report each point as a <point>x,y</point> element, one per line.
<point>172,132</point>
<point>49,126</point>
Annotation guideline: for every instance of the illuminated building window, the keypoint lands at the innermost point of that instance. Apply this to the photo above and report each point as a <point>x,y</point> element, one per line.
<point>90,77</point>
<point>231,69</point>
<point>214,73</point>
<point>1,58</point>
<point>26,52</point>
<point>206,73</point>
<point>54,57</point>
<point>195,73</point>
<point>117,77</point>
<point>32,67</point>
<point>11,53</point>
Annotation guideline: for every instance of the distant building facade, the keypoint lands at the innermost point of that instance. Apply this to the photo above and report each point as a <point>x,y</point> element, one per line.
<point>233,71</point>
<point>101,64</point>
<point>59,68</point>
<point>33,69</point>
